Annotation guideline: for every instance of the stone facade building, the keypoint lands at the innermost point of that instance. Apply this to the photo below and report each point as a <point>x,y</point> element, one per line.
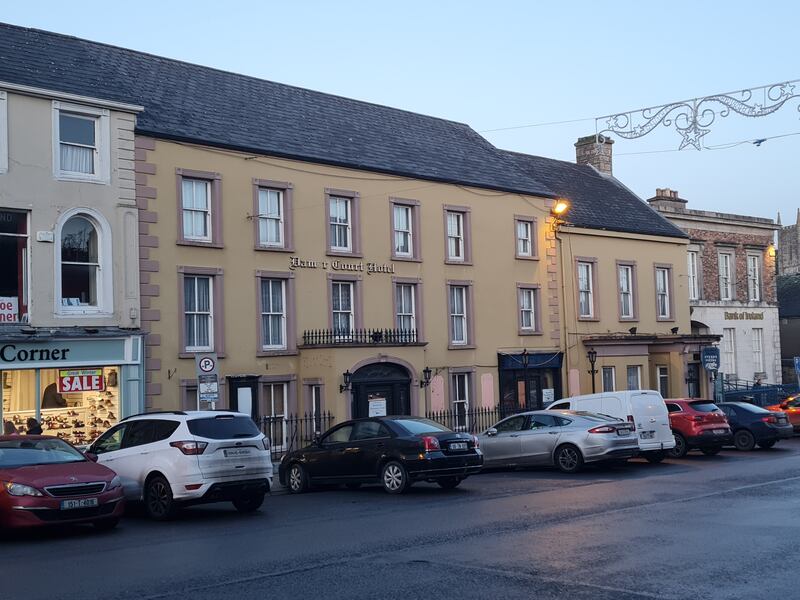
<point>731,283</point>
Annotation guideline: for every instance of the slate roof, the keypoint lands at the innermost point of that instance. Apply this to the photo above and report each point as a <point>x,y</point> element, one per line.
<point>598,202</point>
<point>789,296</point>
<point>192,103</point>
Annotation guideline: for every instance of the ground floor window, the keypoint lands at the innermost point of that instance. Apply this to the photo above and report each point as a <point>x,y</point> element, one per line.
<point>460,396</point>
<point>273,408</point>
<point>609,379</point>
<point>316,408</point>
<point>663,381</point>
<point>634,377</point>
<point>75,404</point>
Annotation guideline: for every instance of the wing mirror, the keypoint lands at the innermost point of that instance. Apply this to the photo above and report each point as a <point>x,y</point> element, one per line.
<point>491,432</point>
<point>90,455</point>
<point>317,441</point>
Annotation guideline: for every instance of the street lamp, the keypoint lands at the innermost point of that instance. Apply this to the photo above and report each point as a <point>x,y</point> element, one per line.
<point>525,359</point>
<point>592,356</point>
<point>426,377</point>
<point>346,377</point>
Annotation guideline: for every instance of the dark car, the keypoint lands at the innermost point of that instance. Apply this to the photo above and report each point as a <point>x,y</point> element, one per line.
<point>393,451</point>
<point>45,481</point>
<point>697,424</point>
<point>753,425</point>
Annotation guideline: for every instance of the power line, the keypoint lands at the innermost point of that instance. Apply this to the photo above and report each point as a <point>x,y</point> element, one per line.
<point>726,146</point>
<point>536,125</point>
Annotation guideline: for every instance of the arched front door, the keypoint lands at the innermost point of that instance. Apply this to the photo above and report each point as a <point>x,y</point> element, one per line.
<point>381,389</point>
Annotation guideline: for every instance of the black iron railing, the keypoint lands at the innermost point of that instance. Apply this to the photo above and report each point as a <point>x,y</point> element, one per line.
<point>359,337</point>
<point>475,420</point>
<point>290,432</point>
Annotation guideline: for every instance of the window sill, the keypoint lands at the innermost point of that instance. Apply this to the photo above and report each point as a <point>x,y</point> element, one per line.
<point>199,244</point>
<point>344,253</point>
<point>665,319</point>
<point>461,346</point>
<point>78,178</point>
<point>528,332</point>
<point>467,263</point>
<point>406,258</point>
<point>589,319</point>
<point>285,352</point>
<point>185,354</point>
<point>629,319</point>
<point>518,257</point>
<point>259,248</point>
<point>78,312</point>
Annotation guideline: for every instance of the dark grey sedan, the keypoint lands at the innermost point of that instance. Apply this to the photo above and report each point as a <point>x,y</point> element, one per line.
<point>563,438</point>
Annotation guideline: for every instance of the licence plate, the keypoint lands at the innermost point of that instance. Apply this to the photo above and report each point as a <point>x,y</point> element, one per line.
<point>233,452</point>
<point>647,435</point>
<point>82,503</point>
<point>458,446</point>
<point>623,431</point>
<point>720,432</point>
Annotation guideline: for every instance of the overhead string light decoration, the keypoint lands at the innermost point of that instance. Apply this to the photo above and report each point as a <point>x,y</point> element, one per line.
<point>693,118</point>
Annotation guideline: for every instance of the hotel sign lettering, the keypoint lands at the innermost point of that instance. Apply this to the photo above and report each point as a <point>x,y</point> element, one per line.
<point>744,316</point>
<point>295,262</point>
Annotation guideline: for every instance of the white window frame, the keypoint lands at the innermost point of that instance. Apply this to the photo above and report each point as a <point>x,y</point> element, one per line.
<point>402,312</point>
<point>352,312</point>
<point>267,217</point>
<point>729,350</point>
<point>271,313</point>
<point>758,349</point>
<point>754,277</point>
<point>456,241</point>
<point>694,282</point>
<point>663,294</point>
<point>105,280</point>
<point>613,372</point>
<point>460,394</point>
<point>334,200</point>
<point>26,261</point>
<point>662,373</point>
<point>102,152</point>
<point>211,282</point>
<point>316,407</point>
<point>3,132</point>
<point>399,232</point>
<point>726,287</point>
<point>285,438</point>
<point>638,376</point>
<point>524,238</point>
<point>588,291</point>
<point>454,316</point>
<point>623,293</point>
<point>530,309</point>
<point>207,212</point>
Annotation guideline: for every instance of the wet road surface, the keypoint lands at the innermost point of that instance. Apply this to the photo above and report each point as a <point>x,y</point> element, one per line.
<point>702,527</point>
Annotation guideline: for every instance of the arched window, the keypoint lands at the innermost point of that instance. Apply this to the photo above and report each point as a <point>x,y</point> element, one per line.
<point>80,263</point>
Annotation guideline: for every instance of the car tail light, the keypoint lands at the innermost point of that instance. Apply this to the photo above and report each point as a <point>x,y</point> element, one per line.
<point>476,441</point>
<point>602,429</point>
<point>770,419</point>
<point>630,420</point>
<point>698,418</point>
<point>431,443</point>
<point>265,441</point>
<point>190,447</point>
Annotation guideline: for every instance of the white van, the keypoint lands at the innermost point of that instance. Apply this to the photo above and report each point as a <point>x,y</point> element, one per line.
<point>644,408</point>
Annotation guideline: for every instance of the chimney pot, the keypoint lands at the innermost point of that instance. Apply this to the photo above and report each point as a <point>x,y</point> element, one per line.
<point>590,151</point>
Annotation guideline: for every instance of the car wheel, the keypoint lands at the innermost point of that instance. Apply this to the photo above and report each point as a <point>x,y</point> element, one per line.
<point>656,456</point>
<point>681,449</point>
<point>569,459</point>
<point>394,477</point>
<point>158,501</point>
<point>298,480</point>
<point>711,451</point>
<point>106,524</point>
<point>250,503</point>
<point>449,483</point>
<point>352,486</point>
<point>744,440</point>
<point>766,445</point>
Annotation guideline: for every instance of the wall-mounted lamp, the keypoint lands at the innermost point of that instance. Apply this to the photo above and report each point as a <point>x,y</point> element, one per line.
<point>674,331</point>
<point>632,330</point>
<point>559,211</point>
<point>771,250</point>
<point>426,377</point>
<point>346,378</point>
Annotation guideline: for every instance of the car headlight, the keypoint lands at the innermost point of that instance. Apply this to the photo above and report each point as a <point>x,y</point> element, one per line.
<point>18,489</point>
<point>115,483</point>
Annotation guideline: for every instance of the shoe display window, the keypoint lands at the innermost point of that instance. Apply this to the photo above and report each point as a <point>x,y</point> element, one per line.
<point>75,404</point>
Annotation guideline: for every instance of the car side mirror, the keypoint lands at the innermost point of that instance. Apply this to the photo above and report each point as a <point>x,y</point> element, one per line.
<point>91,456</point>
<point>317,441</point>
<point>491,432</point>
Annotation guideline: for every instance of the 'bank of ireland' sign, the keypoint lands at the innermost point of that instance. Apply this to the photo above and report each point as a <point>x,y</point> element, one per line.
<point>295,262</point>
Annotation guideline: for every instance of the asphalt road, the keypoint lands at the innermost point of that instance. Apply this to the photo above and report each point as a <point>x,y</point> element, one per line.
<point>702,527</point>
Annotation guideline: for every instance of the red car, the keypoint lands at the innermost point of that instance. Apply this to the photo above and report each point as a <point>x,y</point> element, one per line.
<point>697,424</point>
<point>790,406</point>
<point>46,481</point>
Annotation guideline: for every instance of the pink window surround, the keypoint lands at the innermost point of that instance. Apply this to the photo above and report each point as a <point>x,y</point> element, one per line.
<point>418,309</point>
<point>595,291</point>
<point>218,314</point>
<point>355,222</point>
<point>358,303</point>
<point>537,312</point>
<point>288,213</point>
<point>290,406</point>
<point>634,292</point>
<point>466,211</point>
<point>308,399</point>
<point>291,313</point>
<point>188,394</point>
<point>670,291</point>
<point>534,246</point>
<point>470,310</point>
<point>215,179</point>
<point>416,233</point>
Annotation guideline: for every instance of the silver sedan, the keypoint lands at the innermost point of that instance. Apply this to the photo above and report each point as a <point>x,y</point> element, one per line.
<point>563,438</point>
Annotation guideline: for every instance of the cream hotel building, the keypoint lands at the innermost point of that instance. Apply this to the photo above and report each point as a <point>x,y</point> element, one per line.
<point>340,256</point>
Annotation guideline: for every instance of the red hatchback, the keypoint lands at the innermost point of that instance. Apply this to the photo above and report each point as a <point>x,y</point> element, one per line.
<point>697,424</point>
<point>790,406</point>
<point>46,481</point>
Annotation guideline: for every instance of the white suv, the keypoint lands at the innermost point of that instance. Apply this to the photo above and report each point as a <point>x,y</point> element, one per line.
<point>167,459</point>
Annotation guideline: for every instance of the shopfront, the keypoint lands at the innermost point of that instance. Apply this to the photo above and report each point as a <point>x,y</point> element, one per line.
<point>75,387</point>
<point>529,381</point>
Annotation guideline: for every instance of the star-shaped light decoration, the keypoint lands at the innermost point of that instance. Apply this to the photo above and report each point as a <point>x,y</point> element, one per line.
<point>787,89</point>
<point>613,122</point>
<point>756,110</point>
<point>691,136</point>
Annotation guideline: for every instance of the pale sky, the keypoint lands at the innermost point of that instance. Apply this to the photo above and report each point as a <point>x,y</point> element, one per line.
<point>506,64</point>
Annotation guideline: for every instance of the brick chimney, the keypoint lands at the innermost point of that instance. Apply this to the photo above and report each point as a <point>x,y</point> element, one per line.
<point>666,198</point>
<point>589,152</point>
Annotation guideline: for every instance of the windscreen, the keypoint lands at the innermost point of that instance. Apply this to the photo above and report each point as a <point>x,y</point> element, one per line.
<point>752,408</point>
<point>24,453</point>
<point>417,426</point>
<point>704,406</point>
<point>223,427</point>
